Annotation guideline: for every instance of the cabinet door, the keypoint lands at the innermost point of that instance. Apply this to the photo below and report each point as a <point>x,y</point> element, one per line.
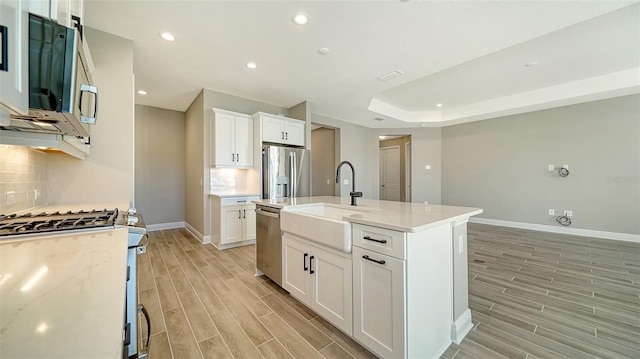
<point>295,268</point>
<point>231,225</point>
<point>379,302</point>
<point>331,288</point>
<point>272,130</point>
<point>294,132</point>
<point>13,72</point>
<point>244,141</point>
<point>223,135</point>
<point>249,219</point>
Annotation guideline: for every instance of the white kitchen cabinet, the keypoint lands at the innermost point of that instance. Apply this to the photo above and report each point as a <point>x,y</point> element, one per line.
<point>62,11</point>
<point>231,139</point>
<point>14,91</point>
<point>402,291</point>
<point>282,130</point>
<point>319,277</point>
<point>233,221</point>
<point>378,309</point>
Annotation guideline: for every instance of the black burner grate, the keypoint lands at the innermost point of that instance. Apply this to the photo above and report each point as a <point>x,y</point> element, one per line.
<point>52,222</point>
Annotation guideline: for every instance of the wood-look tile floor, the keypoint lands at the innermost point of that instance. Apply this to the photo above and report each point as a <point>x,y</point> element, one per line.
<point>532,295</point>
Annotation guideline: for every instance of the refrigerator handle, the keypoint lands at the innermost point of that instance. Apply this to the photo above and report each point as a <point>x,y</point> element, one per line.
<point>293,172</point>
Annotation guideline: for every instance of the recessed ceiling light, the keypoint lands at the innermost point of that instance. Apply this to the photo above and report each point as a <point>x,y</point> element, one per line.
<point>438,105</point>
<point>324,50</point>
<point>142,92</point>
<point>300,19</point>
<point>167,36</point>
<point>531,64</point>
<point>252,65</point>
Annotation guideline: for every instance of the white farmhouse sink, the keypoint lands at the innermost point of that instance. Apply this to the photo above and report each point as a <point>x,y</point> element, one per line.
<point>321,223</point>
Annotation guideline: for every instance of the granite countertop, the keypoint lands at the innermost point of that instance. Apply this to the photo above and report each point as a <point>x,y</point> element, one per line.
<point>76,308</point>
<point>399,216</point>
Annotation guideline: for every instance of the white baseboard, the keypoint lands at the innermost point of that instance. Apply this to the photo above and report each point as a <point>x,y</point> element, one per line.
<point>563,230</point>
<point>461,327</point>
<point>163,226</point>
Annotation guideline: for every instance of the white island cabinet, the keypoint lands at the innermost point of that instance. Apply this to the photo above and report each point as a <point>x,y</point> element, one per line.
<point>408,283</point>
<point>320,277</point>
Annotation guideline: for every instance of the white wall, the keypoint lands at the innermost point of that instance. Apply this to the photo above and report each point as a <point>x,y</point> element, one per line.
<point>107,174</point>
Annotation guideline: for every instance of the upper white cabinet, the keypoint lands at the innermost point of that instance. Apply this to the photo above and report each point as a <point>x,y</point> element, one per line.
<point>283,130</point>
<point>231,139</point>
<point>63,11</point>
<point>14,91</point>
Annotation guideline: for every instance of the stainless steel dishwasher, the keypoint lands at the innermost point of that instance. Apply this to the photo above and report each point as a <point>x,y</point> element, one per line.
<point>269,242</point>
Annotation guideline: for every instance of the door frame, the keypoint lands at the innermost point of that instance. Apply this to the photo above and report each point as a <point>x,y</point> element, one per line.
<point>407,171</point>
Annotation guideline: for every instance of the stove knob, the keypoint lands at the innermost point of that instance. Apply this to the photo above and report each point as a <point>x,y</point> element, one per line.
<point>132,220</point>
<point>131,210</point>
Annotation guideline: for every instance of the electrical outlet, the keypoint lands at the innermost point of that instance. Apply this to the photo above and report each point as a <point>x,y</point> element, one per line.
<point>552,168</point>
<point>460,243</point>
<point>568,213</point>
<point>427,167</point>
<point>552,212</point>
<point>11,197</point>
<point>328,181</point>
<point>565,166</point>
<point>426,202</point>
<point>345,181</point>
<point>36,194</point>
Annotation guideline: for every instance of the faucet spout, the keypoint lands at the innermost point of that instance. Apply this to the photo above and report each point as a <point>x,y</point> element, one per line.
<point>353,192</point>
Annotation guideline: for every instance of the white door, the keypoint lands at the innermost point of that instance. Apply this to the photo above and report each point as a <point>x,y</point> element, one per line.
<point>244,141</point>
<point>407,172</point>
<point>331,288</point>
<point>231,225</point>
<point>272,130</point>
<point>390,173</point>
<point>223,134</point>
<point>249,218</point>
<point>379,302</point>
<point>295,268</point>
<point>294,132</point>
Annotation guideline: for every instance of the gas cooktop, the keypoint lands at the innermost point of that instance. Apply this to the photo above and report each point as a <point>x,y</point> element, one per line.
<point>29,223</point>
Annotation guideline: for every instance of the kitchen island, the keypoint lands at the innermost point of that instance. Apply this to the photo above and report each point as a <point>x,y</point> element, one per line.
<point>63,295</point>
<point>396,278</point>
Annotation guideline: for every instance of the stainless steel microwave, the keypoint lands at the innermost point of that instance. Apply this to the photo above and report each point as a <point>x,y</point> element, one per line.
<point>61,98</point>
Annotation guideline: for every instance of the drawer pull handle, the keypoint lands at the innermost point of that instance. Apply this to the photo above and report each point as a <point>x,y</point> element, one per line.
<point>304,262</point>
<point>375,240</point>
<point>374,260</point>
<point>311,271</point>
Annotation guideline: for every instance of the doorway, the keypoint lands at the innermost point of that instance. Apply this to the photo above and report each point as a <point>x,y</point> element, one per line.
<point>395,167</point>
<point>323,161</point>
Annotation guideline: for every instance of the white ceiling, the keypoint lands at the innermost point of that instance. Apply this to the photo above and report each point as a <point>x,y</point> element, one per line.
<point>468,55</point>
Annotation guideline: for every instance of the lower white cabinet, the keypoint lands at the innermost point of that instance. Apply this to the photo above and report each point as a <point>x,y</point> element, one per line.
<point>379,306</point>
<point>233,221</point>
<point>319,277</point>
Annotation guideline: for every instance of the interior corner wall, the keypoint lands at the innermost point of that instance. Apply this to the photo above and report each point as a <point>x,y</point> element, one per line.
<point>501,165</point>
<point>194,165</point>
<point>160,164</point>
<point>358,145</point>
<point>107,173</point>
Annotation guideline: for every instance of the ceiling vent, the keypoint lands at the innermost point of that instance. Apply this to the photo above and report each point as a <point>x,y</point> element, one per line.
<point>390,75</point>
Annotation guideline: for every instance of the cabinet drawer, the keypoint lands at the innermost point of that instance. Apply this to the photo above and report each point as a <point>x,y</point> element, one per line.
<point>380,240</point>
<point>237,201</point>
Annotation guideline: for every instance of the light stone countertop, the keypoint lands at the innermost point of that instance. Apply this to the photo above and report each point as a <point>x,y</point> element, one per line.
<point>76,308</point>
<point>233,194</point>
<point>398,216</point>
<point>121,206</point>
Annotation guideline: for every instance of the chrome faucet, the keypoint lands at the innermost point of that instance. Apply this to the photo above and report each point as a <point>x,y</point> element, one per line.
<point>353,192</point>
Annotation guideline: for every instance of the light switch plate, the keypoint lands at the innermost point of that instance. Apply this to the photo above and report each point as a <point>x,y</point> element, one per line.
<point>11,197</point>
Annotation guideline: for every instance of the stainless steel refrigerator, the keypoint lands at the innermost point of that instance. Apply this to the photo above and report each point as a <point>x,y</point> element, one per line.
<point>286,172</point>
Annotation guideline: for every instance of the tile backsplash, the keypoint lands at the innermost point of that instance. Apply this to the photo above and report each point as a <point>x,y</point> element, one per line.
<point>228,180</point>
<point>23,172</point>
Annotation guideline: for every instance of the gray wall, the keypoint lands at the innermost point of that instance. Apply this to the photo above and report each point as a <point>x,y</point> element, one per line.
<point>107,174</point>
<point>500,165</point>
<point>323,164</point>
<point>160,164</point>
